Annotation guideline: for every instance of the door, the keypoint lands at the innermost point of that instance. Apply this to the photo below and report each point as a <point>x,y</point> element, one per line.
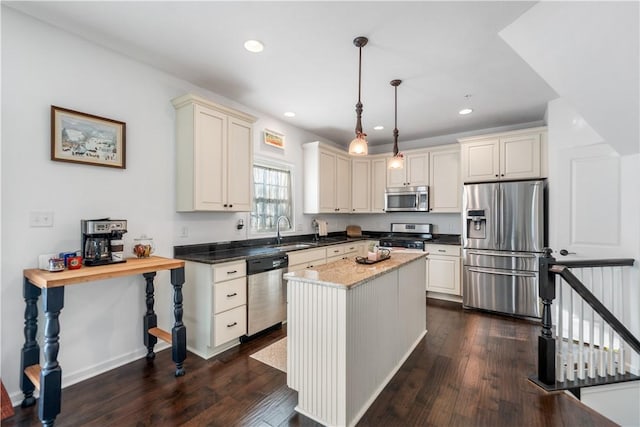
<point>360,185</point>
<point>480,201</point>
<point>522,216</point>
<point>240,166</point>
<point>209,159</point>
<point>480,160</point>
<point>593,195</point>
<point>586,203</point>
<point>444,191</point>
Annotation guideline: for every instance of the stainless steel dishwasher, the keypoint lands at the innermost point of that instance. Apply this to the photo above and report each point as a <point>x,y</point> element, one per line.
<point>266,293</point>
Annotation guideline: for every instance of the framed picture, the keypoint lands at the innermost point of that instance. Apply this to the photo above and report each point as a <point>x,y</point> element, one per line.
<point>83,138</point>
<point>273,138</point>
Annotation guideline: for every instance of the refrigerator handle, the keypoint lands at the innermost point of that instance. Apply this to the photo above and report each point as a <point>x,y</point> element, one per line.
<point>496,215</point>
<point>502,244</point>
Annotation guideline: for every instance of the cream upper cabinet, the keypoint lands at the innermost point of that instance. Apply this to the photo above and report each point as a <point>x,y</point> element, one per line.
<point>378,183</point>
<point>213,156</point>
<point>414,173</point>
<point>508,156</point>
<point>327,179</point>
<point>445,180</point>
<point>360,185</point>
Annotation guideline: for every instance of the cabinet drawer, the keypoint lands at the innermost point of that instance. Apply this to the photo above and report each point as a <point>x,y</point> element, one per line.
<point>333,251</point>
<point>229,294</point>
<point>306,256</point>
<point>350,249</point>
<point>229,325</point>
<point>336,258</point>
<point>449,250</point>
<point>229,270</point>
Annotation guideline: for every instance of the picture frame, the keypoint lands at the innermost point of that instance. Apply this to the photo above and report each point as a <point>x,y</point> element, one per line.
<point>274,139</point>
<point>78,137</point>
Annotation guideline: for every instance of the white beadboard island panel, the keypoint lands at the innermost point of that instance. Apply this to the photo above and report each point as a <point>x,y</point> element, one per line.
<point>350,328</point>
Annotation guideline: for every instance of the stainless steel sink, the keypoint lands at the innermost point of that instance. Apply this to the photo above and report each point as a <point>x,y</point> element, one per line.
<point>294,246</point>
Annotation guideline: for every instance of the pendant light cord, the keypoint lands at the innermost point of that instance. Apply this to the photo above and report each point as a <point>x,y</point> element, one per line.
<point>395,84</point>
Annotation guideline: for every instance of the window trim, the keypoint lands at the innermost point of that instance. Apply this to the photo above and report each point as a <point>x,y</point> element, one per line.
<point>271,163</point>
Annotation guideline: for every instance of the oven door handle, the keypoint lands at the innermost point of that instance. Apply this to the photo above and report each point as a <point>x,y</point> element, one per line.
<point>510,273</point>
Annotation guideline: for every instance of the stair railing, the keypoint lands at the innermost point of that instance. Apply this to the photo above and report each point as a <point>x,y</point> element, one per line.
<point>586,361</point>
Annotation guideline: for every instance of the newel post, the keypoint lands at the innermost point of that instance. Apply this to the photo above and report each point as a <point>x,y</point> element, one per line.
<point>546,340</point>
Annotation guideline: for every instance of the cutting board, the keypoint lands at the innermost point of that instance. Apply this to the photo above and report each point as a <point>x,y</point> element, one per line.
<point>354,231</point>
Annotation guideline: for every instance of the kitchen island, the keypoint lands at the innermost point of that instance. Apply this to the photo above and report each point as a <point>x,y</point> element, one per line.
<point>350,328</point>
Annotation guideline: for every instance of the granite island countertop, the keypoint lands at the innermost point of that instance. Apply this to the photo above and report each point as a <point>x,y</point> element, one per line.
<point>347,273</point>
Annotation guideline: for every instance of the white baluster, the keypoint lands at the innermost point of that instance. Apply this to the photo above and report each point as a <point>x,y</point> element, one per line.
<point>560,368</point>
<point>592,355</point>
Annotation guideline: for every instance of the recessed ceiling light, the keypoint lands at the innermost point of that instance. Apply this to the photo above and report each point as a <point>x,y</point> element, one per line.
<point>289,114</point>
<point>465,111</point>
<point>378,127</point>
<point>253,46</point>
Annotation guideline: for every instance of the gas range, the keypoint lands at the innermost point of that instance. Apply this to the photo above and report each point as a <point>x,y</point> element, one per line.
<point>407,236</point>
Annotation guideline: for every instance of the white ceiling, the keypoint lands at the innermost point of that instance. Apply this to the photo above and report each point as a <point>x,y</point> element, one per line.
<point>440,50</point>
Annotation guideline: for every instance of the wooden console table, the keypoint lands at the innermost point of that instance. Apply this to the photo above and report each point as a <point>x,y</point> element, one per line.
<point>48,377</point>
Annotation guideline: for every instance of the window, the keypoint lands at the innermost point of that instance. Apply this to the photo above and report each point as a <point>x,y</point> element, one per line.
<point>271,198</point>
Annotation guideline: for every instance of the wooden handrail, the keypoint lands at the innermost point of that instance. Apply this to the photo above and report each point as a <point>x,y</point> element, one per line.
<point>613,262</point>
<point>595,303</point>
<point>548,268</point>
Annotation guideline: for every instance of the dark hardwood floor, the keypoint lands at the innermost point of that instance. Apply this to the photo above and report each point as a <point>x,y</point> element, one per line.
<point>470,370</point>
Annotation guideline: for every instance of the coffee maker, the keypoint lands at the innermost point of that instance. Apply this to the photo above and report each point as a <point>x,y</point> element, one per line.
<point>102,241</point>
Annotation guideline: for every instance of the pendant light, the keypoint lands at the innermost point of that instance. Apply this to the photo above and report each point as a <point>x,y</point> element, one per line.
<point>358,147</point>
<point>397,161</point>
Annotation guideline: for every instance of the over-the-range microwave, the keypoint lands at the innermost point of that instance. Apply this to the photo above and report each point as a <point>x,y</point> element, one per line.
<point>407,199</point>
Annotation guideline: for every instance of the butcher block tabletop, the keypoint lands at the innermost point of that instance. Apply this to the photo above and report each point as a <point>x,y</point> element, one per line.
<point>49,279</point>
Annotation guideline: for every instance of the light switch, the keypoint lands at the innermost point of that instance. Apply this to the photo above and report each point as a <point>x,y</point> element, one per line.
<point>41,219</point>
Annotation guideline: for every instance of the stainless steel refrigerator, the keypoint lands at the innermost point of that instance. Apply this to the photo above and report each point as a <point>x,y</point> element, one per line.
<point>503,236</point>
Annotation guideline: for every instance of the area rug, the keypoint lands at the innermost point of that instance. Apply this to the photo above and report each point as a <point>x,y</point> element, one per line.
<point>275,355</point>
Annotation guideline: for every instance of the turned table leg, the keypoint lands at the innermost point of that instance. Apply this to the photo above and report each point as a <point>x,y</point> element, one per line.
<point>150,319</point>
<point>51,373</point>
<point>30,354</point>
<point>179,331</point>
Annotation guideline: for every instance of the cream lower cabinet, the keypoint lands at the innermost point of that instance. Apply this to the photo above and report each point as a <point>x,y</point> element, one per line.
<point>344,251</point>
<point>307,258</point>
<point>215,310</point>
<point>511,155</point>
<point>214,147</point>
<point>443,269</point>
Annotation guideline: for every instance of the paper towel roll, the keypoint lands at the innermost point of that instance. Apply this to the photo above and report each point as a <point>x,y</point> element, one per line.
<point>322,227</point>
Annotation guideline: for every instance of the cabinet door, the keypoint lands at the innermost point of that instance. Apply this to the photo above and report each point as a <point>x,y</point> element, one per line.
<point>445,185</point>
<point>417,166</point>
<point>209,159</point>
<point>443,274</point>
<point>360,185</point>
<point>480,160</point>
<point>397,177</point>
<point>327,182</point>
<point>520,157</point>
<point>378,184</point>
<point>239,172</point>
<point>343,184</point>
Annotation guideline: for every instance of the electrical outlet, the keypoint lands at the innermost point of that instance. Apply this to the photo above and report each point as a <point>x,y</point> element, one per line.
<point>40,219</point>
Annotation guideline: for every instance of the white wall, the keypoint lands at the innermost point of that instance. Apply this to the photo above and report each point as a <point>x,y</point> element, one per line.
<point>43,66</point>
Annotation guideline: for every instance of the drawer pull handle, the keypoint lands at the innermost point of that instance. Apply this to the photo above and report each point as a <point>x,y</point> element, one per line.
<point>232,295</point>
<point>231,325</point>
<point>232,272</point>
<point>441,250</point>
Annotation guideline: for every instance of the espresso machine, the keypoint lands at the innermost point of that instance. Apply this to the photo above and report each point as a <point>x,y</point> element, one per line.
<point>102,241</point>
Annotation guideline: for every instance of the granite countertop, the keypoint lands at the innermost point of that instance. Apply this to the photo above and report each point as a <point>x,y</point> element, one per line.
<point>347,273</point>
<point>215,253</point>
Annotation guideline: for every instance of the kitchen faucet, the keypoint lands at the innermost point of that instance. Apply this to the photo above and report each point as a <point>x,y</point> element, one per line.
<point>278,237</point>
